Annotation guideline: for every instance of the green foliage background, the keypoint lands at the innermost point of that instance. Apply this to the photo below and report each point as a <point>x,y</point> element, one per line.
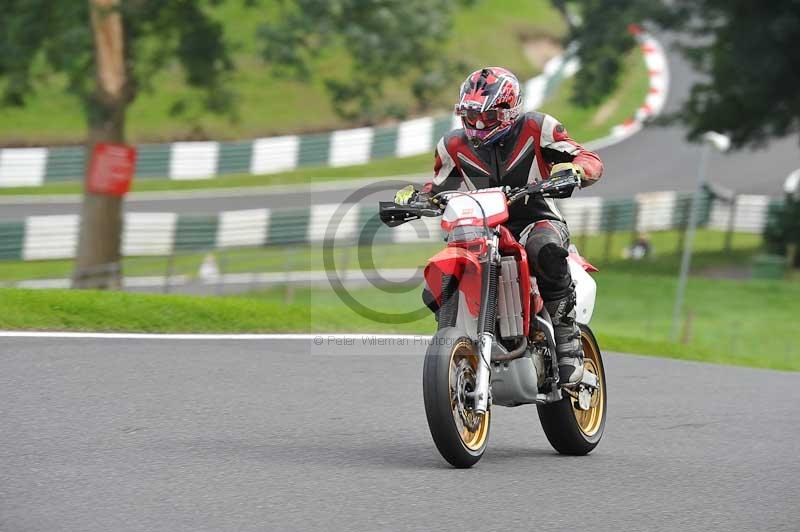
<point>263,102</point>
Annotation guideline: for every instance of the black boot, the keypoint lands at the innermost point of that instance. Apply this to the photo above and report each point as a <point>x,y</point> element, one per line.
<point>568,339</point>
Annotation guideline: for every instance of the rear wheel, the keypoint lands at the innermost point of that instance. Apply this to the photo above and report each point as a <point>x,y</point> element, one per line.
<point>451,364</point>
<point>569,429</point>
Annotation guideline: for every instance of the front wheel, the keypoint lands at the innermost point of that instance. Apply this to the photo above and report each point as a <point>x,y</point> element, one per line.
<point>448,375</point>
<point>569,429</point>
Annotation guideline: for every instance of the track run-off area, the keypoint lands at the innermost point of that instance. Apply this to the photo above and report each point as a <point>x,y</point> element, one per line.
<point>301,432</point>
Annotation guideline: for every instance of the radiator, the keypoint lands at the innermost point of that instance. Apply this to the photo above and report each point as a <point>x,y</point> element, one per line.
<point>509,305</point>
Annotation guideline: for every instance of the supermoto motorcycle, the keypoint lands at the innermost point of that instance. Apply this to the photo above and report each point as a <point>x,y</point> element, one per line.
<point>494,344</point>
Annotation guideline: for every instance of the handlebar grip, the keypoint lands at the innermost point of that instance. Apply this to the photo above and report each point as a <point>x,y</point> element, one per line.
<point>557,184</point>
<point>393,214</point>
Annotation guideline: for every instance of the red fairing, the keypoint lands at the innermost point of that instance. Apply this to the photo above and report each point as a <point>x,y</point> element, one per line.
<point>510,246</point>
<point>583,263</point>
<point>465,267</point>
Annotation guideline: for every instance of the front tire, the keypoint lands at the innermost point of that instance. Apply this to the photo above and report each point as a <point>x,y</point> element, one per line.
<point>571,430</point>
<point>451,363</point>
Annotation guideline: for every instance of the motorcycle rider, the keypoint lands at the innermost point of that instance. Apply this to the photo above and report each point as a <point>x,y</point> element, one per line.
<point>501,146</point>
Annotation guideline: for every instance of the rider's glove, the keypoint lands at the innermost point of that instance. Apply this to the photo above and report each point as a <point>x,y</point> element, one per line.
<point>567,167</point>
<point>561,167</point>
<point>405,195</point>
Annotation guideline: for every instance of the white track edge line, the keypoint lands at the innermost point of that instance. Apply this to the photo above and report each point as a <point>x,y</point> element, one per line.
<point>188,336</point>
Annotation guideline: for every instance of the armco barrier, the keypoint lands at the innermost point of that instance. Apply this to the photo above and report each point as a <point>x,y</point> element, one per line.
<point>158,234</point>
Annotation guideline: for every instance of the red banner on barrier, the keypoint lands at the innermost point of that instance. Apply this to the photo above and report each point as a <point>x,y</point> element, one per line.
<point>111,169</point>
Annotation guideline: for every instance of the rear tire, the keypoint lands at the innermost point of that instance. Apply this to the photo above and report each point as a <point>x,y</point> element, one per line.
<point>449,371</point>
<point>570,430</point>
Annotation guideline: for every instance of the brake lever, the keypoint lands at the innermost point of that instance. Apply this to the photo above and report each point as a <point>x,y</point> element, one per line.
<point>560,184</point>
<point>523,192</point>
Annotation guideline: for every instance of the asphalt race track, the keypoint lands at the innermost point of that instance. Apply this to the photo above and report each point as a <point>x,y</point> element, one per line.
<point>151,435</point>
<point>655,159</point>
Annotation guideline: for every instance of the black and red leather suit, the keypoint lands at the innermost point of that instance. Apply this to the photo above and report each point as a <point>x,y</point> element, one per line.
<point>524,155</point>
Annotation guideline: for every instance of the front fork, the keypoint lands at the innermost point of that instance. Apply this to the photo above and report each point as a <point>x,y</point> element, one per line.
<point>486,325</point>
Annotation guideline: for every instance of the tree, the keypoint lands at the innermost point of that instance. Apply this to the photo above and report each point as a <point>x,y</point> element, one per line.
<point>753,88</point>
<point>602,40</point>
<point>747,52</point>
<point>109,50</point>
<point>384,41</point>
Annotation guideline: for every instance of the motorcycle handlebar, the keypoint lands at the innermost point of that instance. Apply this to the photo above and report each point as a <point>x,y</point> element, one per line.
<point>393,214</point>
<point>553,187</point>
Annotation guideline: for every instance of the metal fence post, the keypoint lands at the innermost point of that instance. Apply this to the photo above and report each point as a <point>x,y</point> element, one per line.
<point>346,258</point>
<point>684,210</point>
<point>731,224</point>
<point>688,239</point>
<point>585,233</point>
<point>288,296</point>
<point>634,223</point>
<point>613,213</point>
<point>169,273</point>
<point>221,271</point>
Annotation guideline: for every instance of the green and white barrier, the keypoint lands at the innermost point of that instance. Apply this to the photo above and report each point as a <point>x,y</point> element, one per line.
<point>28,167</point>
<point>165,233</point>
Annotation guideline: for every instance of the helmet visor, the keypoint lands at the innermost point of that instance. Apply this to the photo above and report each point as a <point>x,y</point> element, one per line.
<point>479,119</point>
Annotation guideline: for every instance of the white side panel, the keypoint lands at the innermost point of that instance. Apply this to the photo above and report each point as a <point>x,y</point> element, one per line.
<point>487,202</point>
<point>585,292</point>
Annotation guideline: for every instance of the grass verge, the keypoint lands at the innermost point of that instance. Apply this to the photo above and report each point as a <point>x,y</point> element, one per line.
<point>709,257</point>
<point>728,322</point>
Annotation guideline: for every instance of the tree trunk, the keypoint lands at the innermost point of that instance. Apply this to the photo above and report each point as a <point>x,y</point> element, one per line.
<point>98,262</point>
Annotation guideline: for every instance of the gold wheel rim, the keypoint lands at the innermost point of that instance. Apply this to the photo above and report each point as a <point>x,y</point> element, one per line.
<point>473,440</point>
<point>589,421</point>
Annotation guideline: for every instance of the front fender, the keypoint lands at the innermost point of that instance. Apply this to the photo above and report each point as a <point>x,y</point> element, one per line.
<point>465,267</point>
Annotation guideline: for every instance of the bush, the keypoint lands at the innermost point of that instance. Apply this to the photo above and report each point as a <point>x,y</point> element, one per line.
<point>783,228</point>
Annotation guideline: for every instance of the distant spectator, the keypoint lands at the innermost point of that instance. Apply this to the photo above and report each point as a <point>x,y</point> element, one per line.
<point>640,248</point>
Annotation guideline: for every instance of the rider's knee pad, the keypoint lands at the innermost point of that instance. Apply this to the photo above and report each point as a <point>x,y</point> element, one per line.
<point>552,271</point>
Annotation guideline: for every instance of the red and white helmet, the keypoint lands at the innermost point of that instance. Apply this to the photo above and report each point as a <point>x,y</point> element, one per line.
<point>490,103</point>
